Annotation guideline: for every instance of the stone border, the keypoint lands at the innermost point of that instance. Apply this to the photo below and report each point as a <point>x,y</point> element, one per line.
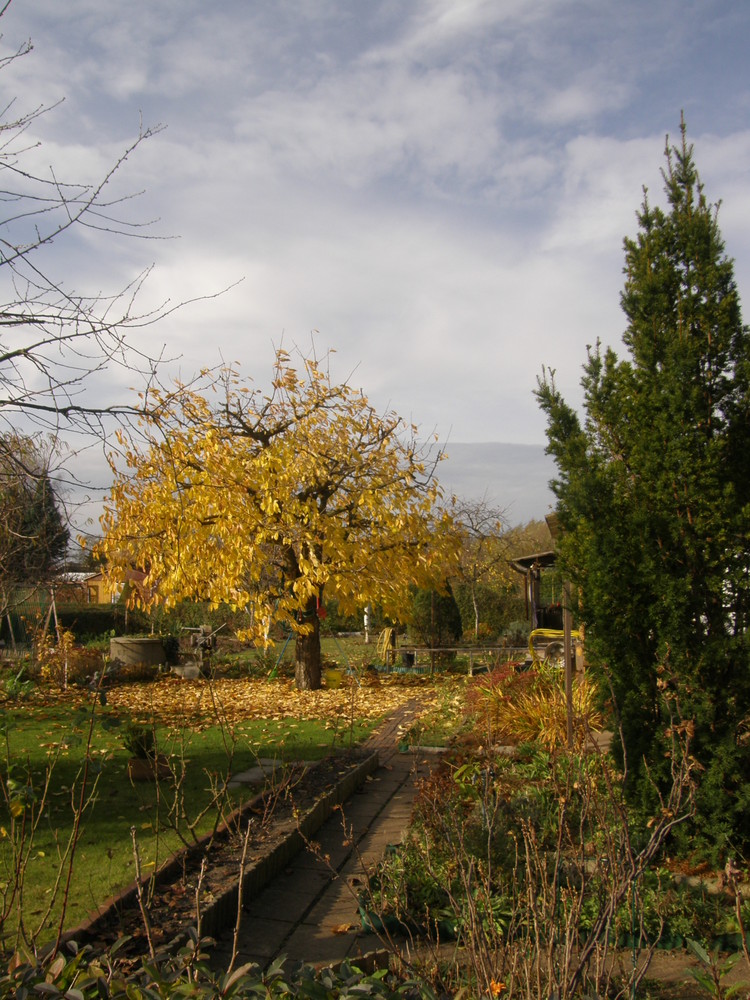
<point>221,911</point>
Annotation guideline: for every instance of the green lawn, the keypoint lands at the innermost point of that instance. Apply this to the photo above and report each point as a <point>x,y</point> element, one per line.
<point>56,758</point>
<point>45,761</point>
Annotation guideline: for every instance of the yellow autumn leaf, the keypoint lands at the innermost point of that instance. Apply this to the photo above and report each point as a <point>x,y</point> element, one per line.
<point>267,501</point>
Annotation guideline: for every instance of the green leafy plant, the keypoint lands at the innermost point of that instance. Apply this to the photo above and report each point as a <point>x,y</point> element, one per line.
<point>713,971</point>
<point>18,687</point>
<point>78,973</point>
<point>264,661</point>
<point>139,740</point>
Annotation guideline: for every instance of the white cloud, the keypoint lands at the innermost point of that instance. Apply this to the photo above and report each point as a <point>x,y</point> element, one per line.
<point>440,189</point>
<point>582,100</point>
<point>373,125</point>
<point>600,182</point>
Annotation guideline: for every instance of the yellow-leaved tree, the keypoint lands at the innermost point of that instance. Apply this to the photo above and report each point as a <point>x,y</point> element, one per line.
<point>267,501</point>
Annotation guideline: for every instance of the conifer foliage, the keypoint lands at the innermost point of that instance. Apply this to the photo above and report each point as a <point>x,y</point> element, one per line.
<point>33,533</point>
<point>653,491</point>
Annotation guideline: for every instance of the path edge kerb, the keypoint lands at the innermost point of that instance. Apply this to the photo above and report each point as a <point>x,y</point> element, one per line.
<point>221,911</point>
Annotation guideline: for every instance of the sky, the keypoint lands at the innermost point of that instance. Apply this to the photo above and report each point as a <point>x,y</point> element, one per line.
<point>436,190</point>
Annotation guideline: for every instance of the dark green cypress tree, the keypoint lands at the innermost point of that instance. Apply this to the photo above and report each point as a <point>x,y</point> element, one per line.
<point>653,494</point>
<point>435,618</point>
<point>43,530</point>
<point>33,533</point>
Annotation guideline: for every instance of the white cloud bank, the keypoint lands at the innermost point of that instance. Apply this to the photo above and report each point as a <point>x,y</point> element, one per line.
<point>439,189</point>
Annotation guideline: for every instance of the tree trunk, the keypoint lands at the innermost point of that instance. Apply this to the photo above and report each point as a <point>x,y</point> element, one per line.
<point>307,652</point>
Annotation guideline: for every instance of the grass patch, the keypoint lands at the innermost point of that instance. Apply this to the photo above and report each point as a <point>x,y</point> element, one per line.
<point>443,721</point>
<point>56,758</point>
<point>57,762</point>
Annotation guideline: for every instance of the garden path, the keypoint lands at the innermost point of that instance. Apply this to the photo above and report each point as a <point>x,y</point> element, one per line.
<point>309,912</point>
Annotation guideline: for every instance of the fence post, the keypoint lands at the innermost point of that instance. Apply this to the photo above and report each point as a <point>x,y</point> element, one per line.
<point>568,650</point>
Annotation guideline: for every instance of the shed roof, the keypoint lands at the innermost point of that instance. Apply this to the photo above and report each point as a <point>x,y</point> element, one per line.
<point>537,560</point>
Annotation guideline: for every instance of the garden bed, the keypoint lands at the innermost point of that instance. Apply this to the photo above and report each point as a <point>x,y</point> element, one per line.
<point>278,830</point>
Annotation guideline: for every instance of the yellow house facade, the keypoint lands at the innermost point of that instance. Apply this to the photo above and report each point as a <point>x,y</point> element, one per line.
<point>100,591</point>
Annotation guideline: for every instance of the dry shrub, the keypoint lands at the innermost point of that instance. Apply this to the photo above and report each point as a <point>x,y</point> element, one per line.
<point>513,707</point>
<point>485,697</point>
<point>541,715</point>
<point>60,662</point>
<point>537,866</point>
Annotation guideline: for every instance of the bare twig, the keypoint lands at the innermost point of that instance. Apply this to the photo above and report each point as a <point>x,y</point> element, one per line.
<point>139,890</point>
<point>240,895</point>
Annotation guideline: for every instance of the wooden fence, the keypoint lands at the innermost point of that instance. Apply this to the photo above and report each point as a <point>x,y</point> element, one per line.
<point>424,659</point>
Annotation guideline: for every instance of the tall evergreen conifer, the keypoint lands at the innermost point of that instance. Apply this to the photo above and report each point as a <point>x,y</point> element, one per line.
<point>653,494</point>
<point>33,533</point>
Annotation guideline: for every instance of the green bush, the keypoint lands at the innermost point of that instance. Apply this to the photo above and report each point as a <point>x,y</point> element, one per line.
<point>193,614</point>
<point>517,633</point>
<point>335,622</point>
<point>79,972</point>
<point>435,619</point>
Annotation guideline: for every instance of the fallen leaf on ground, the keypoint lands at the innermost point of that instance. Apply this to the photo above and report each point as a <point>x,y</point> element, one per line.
<point>175,700</point>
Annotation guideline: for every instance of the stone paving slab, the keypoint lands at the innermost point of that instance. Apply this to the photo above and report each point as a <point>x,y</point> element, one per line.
<point>278,898</point>
<point>269,937</point>
<point>261,772</point>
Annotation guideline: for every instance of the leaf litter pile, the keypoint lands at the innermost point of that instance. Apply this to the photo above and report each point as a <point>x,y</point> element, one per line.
<point>172,699</point>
